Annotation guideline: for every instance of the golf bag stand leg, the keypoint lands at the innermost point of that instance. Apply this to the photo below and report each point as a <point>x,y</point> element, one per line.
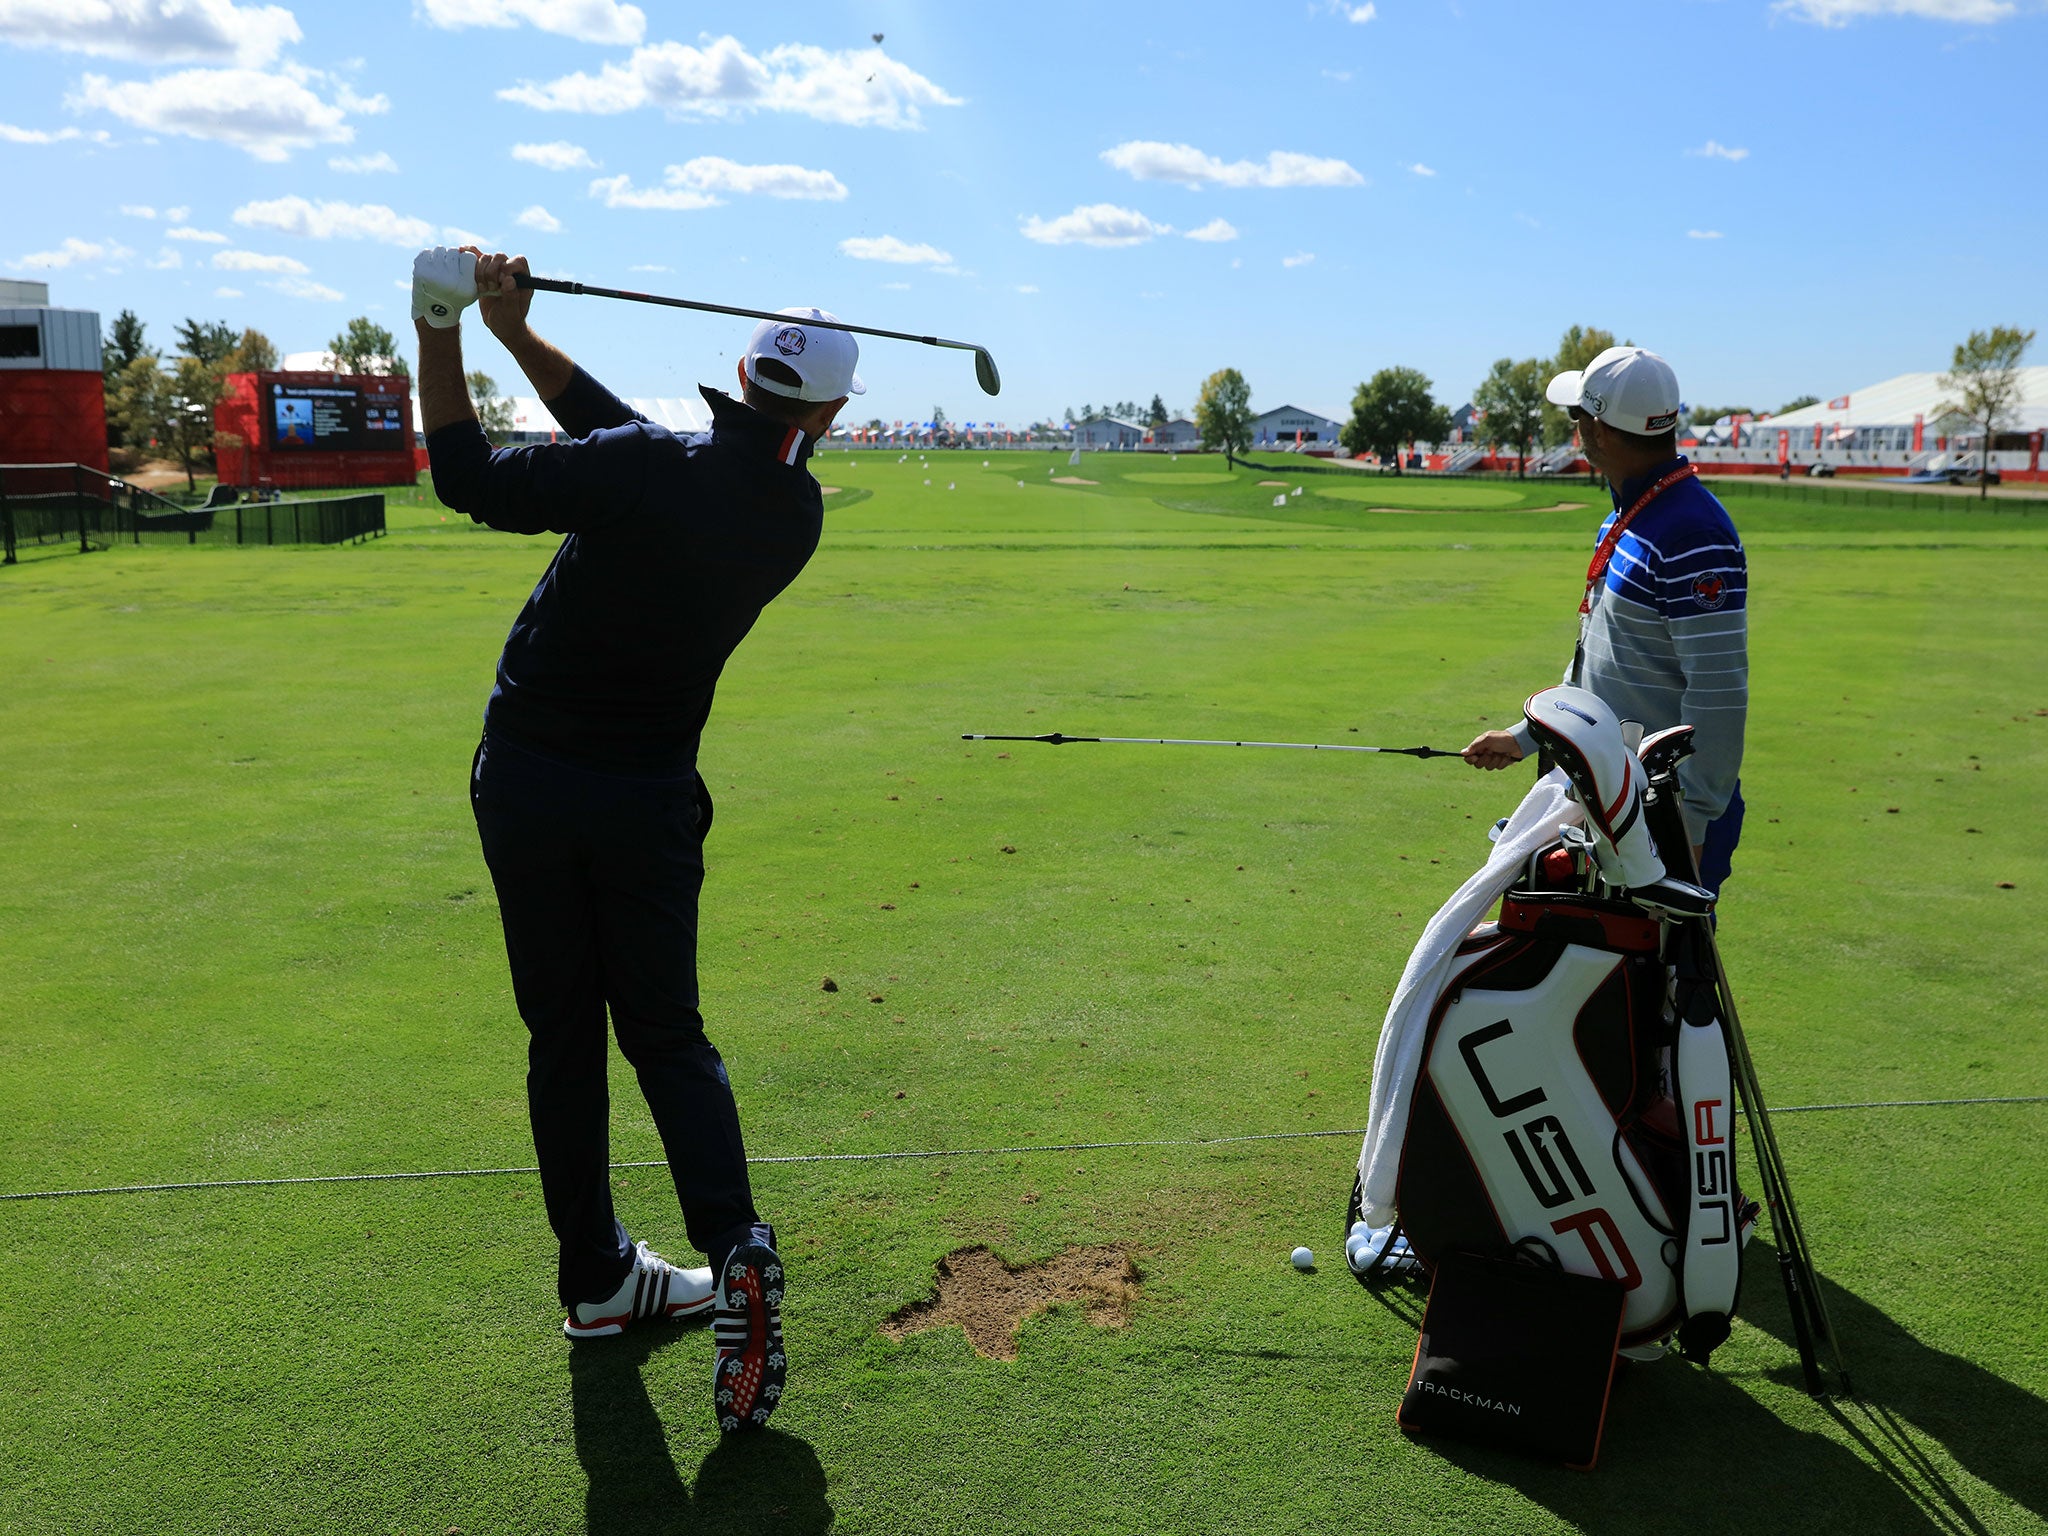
<point>1803,1297</point>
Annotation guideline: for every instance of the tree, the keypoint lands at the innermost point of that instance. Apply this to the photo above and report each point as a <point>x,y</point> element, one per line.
<point>207,341</point>
<point>938,416</point>
<point>1223,413</point>
<point>366,347</point>
<point>1984,378</point>
<point>1798,403</point>
<point>1391,410</point>
<point>124,344</point>
<point>194,389</point>
<point>1511,398</point>
<point>1156,416</point>
<point>254,353</point>
<point>138,401</point>
<point>1576,348</point>
<point>493,410</point>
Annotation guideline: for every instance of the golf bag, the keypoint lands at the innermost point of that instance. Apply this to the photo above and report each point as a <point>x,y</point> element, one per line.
<point>1557,1083</point>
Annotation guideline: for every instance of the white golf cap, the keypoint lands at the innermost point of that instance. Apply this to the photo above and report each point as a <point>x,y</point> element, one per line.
<point>1629,389</point>
<point>822,358</point>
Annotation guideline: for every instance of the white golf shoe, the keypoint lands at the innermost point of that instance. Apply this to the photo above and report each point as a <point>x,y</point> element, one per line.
<point>653,1288</point>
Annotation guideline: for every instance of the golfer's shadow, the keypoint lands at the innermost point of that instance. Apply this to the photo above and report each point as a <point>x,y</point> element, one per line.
<point>1703,1444</point>
<point>763,1480</point>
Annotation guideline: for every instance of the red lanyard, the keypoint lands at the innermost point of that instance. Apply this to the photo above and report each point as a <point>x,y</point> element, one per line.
<point>1605,553</point>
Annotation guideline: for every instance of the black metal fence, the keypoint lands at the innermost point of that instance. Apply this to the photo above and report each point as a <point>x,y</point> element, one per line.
<point>75,505</point>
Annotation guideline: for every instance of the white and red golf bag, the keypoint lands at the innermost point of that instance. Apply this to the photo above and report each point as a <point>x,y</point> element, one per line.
<point>1557,1081</point>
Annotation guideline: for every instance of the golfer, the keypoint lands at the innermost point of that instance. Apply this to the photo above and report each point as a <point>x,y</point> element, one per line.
<point>585,786</point>
<point>1664,626</point>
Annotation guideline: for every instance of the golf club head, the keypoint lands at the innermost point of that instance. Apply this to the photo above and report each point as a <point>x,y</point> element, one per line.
<point>985,373</point>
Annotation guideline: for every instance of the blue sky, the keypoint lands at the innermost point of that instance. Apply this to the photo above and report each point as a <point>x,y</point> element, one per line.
<point>1782,198</point>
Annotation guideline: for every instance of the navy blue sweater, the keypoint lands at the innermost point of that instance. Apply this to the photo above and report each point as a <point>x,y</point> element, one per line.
<point>674,547</point>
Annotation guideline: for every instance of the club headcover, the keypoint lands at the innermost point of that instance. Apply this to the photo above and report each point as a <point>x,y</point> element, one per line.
<point>1583,737</point>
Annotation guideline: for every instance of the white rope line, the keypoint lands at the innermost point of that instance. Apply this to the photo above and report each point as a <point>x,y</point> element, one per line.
<point>880,1157</point>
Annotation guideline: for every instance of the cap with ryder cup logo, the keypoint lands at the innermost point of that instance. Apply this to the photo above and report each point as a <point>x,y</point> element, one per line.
<point>1629,389</point>
<point>823,359</point>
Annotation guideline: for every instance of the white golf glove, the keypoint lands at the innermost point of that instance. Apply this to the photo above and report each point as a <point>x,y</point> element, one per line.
<point>443,285</point>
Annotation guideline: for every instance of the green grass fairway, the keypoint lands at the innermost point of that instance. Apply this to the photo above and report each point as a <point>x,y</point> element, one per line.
<point>248,934</point>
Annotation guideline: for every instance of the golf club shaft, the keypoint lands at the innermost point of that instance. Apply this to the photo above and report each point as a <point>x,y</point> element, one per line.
<point>1058,740</point>
<point>1800,1274</point>
<point>557,285</point>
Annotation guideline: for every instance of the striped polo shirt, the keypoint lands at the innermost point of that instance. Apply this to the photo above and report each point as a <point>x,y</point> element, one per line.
<point>1667,640</point>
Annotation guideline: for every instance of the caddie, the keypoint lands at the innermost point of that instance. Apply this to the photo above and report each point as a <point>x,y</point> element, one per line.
<point>585,787</point>
<point>1663,625</point>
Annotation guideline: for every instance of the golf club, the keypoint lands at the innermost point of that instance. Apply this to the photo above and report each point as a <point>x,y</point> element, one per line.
<point>1057,740</point>
<point>984,366</point>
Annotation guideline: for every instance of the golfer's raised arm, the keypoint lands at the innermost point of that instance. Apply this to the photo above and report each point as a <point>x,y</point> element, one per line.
<point>546,488</point>
<point>579,404</point>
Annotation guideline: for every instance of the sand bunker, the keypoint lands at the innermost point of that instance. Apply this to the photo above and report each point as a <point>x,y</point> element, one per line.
<point>990,1300</point>
<point>1073,480</point>
<point>1272,482</point>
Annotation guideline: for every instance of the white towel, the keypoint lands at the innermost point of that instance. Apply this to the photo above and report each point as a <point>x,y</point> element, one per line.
<point>1543,813</point>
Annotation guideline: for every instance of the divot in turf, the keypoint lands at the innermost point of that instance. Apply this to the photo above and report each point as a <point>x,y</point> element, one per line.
<point>991,1300</point>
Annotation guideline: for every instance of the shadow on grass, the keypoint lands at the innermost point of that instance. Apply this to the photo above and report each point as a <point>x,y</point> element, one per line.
<point>1693,1440</point>
<point>759,1481</point>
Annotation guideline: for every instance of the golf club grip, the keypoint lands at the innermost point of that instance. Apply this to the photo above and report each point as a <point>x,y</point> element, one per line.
<point>544,284</point>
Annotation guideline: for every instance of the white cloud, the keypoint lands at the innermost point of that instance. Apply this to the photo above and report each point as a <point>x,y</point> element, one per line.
<point>138,210</point>
<point>1357,14</point>
<point>363,165</point>
<point>1341,76</point>
<point>896,287</point>
<point>256,261</point>
<point>1095,224</point>
<point>698,183</point>
<point>267,115</point>
<point>329,220</point>
<point>236,293</point>
<point>1421,170</point>
<point>1711,150</point>
<point>650,267</point>
<point>156,31</point>
<point>1298,259</point>
<point>560,155</point>
<point>1027,287</point>
<point>167,260</point>
<point>720,79</point>
<point>201,236</point>
<point>889,248</point>
<point>455,234</point>
<point>539,218</point>
<point>75,252</point>
<point>1703,234</point>
<point>1839,13</point>
<point>9,134</point>
<point>305,288</point>
<point>1214,230</point>
<point>1151,160</point>
<point>589,21</point>
<point>619,192</point>
<point>177,215</point>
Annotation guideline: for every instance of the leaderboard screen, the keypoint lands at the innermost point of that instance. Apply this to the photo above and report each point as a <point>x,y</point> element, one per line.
<point>328,417</point>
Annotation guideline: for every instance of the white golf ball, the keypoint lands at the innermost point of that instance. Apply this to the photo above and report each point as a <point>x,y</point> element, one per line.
<point>1303,1258</point>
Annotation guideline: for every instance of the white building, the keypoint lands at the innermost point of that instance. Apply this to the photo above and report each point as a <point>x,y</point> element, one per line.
<point>1108,432</point>
<point>1904,423</point>
<point>1282,424</point>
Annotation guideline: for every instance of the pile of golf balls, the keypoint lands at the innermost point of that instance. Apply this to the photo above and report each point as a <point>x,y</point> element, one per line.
<point>1366,1243</point>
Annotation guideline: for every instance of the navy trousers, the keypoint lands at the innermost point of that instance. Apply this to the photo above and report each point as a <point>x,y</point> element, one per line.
<point>1717,853</point>
<point>598,877</point>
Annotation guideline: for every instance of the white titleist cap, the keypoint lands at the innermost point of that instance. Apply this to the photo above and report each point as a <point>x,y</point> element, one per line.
<point>822,358</point>
<point>1629,389</point>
